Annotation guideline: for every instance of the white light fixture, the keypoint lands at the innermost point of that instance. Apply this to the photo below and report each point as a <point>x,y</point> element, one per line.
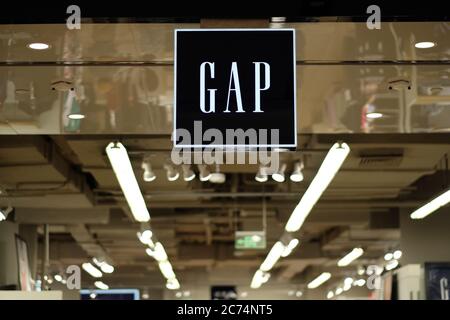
<point>391,265</point>
<point>432,206</point>
<point>58,278</point>
<point>424,45</point>
<point>101,285</point>
<point>121,165</point>
<point>145,237</point>
<point>397,254</point>
<point>107,268</point>
<point>172,284</point>
<point>188,174</point>
<point>259,278</point>
<point>330,294</point>
<point>178,294</point>
<point>38,46</point>
<point>172,173</point>
<point>359,283</point>
<point>348,283</point>
<point>4,213</point>
<point>103,265</point>
<point>374,115</point>
<point>279,175</point>
<point>321,279</point>
<point>273,256</point>
<point>148,175</point>
<point>261,175</point>
<point>297,174</point>
<point>330,166</point>
<point>388,256</point>
<point>290,247</point>
<point>76,116</point>
<point>93,271</point>
<point>158,252</point>
<point>339,291</point>
<point>166,269</point>
<point>361,270</point>
<point>350,257</point>
<point>298,294</point>
<point>204,173</point>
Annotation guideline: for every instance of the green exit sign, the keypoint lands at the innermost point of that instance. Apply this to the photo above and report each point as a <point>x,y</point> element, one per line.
<point>250,240</point>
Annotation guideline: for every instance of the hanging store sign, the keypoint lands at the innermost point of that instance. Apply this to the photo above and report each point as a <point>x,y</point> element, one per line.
<point>235,88</point>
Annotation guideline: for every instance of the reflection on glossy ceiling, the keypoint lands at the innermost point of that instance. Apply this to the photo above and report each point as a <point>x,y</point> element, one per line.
<point>350,79</point>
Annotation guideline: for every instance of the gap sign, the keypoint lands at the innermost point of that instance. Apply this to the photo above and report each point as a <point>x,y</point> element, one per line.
<point>235,82</point>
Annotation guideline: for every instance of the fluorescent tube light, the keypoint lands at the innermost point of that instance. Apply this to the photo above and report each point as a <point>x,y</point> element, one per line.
<point>159,253</point>
<point>145,236</point>
<point>93,271</point>
<point>121,165</point>
<point>290,247</point>
<point>330,166</point>
<point>101,285</point>
<point>259,278</point>
<point>166,270</point>
<point>273,256</point>
<point>431,206</point>
<point>172,284</point>
<point>317,282</point>
<point>350,257</point>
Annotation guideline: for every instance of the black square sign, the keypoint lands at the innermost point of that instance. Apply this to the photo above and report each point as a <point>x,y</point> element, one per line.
<point>236,82</point>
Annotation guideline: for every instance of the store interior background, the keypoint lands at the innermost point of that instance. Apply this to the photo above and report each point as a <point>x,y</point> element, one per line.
<point>55,174</point>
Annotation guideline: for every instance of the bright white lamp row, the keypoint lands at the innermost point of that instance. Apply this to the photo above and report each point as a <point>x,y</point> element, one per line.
<point>330,166</point>
<point>120,162</point>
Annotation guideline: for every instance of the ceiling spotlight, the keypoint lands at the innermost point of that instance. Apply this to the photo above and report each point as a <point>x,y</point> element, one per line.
<point>4,213</point>
<point>297,174</point>
<point>101,285</point>
<point>279,175</point>
<point>103,265</point>
<point>38,46</point>
<point>330,295</point>
<point>58,277</point>
<point>188,174</point>
<point>261,175</point>
<point>145,236</point>
<point>391,265</point>
<point>374,115</point>
<point>397,254</point>
<point>93,271</point>
<point>76,116</point>
<point>172,173</point>
<point>148,175</point>
<point>388,256</point>
<point>217,177</point>
<point>339,291</point>
<point>205,174</point>
<point>424,45</point>
<point>172,284</point>
<point>278,19</point>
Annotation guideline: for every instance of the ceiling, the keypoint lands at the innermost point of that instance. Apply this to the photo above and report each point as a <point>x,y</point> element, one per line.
<point>57,172</point>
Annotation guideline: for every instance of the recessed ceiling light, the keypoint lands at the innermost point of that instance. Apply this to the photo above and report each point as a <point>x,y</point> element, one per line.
<point>76,116</point>
<point>424,45</point>
<point>38,46</point>
<point>374,115</point>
